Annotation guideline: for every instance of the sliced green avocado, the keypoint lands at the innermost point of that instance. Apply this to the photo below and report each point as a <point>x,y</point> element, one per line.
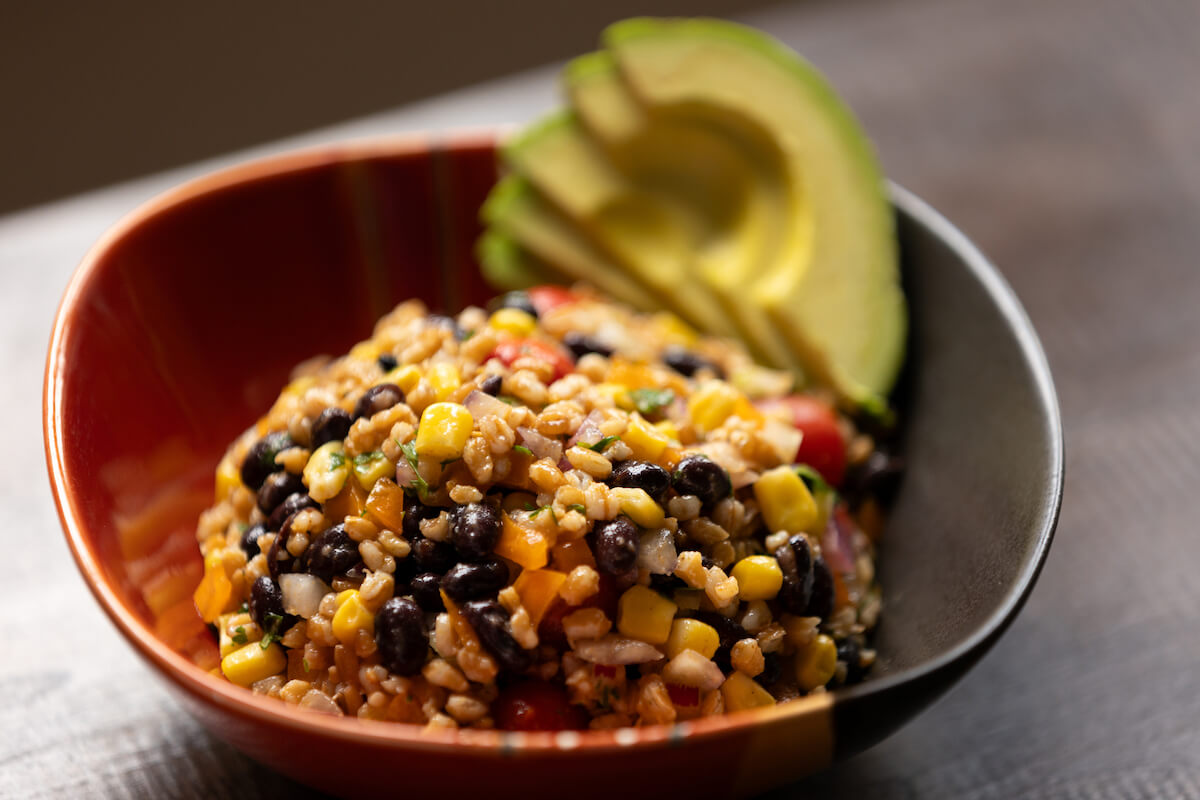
<point>643,231</point>
<point>831,281</point>
<point>506,265</point>
<point>521,221</point>
<point>728,199</point>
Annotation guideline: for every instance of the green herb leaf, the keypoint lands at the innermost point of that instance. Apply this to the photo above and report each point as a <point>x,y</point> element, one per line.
<point>244,608</point>
<point>467,336</point>
<point>812,479</point>
<point>577,507</point>
<point>239,637</point>
<point>512,401</point>
<point>533,512</point>
<point>520,448</point>
<point>362,459</point>
<point>336,461</point>
<point>410,454</point>
<point>272,624</point>
<point>304,663</point>
<point>602,445</point>
<point>650,401</point>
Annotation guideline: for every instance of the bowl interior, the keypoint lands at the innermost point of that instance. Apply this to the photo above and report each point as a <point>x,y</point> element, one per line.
<point>185,321</point>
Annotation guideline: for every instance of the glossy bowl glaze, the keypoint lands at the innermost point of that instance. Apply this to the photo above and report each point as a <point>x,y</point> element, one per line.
<point>182,323</point>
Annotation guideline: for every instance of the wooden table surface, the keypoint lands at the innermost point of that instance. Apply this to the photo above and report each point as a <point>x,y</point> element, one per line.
<point>1064,137</point>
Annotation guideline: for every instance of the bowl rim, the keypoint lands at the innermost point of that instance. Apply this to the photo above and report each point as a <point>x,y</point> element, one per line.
<point>185,676</point>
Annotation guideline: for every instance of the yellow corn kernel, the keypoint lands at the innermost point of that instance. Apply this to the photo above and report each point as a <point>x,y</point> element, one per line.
<point>298,386</point>
<point>619,393</point>
<point>712,404</point>
<point>326,471</point>
<point>668,429</point>
<point>817,663</point>
<point>212,595</point>
<point>365,351</point>
<point>740,692</point>
<point>514,321</point>
<point>228,478</point>
<point>646,441</point>
<point>351,617</point>
<point>673,330</point>
<point>785,502</point>
<point>444,379</point>
<point>444,431</point>
<point>638,506</point>
<point>252,663</point>
<point>692,634</point>
<point>758,577</point>
<point>644,614</point>
<point>406,377</point>
<point>370,467</point>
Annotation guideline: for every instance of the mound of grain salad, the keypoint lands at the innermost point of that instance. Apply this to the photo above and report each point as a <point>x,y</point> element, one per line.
<point>559,514</point>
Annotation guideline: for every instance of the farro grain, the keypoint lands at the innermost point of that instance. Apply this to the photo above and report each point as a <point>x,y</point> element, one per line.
<point>746,656</point>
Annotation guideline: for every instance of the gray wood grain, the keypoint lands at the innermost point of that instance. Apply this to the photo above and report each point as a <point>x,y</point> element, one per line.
<point>1064,137</point>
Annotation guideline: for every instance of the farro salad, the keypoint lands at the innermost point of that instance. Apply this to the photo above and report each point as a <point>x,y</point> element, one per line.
<point>559,514</point>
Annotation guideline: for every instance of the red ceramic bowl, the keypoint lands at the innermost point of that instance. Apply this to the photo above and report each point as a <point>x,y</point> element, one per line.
<point>181,326</point>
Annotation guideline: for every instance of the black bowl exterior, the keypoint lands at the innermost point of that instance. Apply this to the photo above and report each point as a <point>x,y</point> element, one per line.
<point>983,445</point>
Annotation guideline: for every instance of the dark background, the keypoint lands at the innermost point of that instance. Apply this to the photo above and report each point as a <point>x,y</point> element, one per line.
<point>94,92</point>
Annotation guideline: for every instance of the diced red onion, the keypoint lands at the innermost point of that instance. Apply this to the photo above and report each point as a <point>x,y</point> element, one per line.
<point>316,700</point>
<point>405,474</point>
<point>302,593</point>
<point>541,446</point>
<point>481,404</point>
<point>589,431</point>
<point>613,650</point>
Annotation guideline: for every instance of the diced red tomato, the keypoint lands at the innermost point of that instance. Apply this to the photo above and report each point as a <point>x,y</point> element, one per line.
<point>823,447</point>
<point>537,706</point>
<point>604,670</point>
<point>549,296</point>
<point>683,695</point>
<point>510,350</point>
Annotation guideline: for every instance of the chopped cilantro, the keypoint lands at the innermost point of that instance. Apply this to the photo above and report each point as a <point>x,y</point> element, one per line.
<point>244,608</point>
<point>650,401</point>
<point>304,663</point>
<point>512,401</point>
<point>362,459</point>
<point>336,461</point>
<point>467,335</point>
<point>410,454</point>
<point>534,511</point>
<point>812,479</point>
<point>520,448</point>
<point>273,623</point>
<point>602,445</point>
<point>577,507</point>
<point>239,637</point>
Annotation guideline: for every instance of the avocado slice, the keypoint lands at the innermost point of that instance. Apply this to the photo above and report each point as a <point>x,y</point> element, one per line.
<point>506,265</point>
<point>731,208</point>
<point>831,285</point>
<point>642,230</point>
<point>524,223</point>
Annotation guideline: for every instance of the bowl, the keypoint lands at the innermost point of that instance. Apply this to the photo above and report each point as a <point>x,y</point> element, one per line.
<point>182,323</point>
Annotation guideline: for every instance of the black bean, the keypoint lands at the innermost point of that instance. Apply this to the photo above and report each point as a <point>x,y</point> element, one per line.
<point>260,460</point>
<point>332,554</point>
<point>491,385</point>
<point>387,362</point>
<point>400,636</point>
<point>294,503</point>
<point>795,561</point>
<point>475,580</point>
<point>877,478</point>
<point>698,475</point>
<point>378,398</point>
<point>729,633</point>
<point>666,584</point>
<point>688,363</point>
<point>474,529</point>
<point>250,540</point>
<point>515,299</point>
<point>424,588</point>
<point>414,512</point>
<point>331,425</point>
<point>265,598</point>
<point>642,475</point>
<point>580,345</point>
<point>772,670</point>
<point>490,622</point>
<point>433,556</point>
<point>821,603</point>
<point>849,651</point>
<point>616,545</point>
<point>446,323</point>
<point>278,486</point>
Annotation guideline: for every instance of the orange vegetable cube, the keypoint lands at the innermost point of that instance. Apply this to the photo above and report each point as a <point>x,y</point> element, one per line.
<point>385,504</point>
<point>538,589</point>
<point>212,595</point>
<point>569,555</point>
<point>351,501</point>
<point>523,544</point>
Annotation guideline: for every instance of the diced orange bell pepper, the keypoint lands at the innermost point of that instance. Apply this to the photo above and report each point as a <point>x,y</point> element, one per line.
<point>213,593</point>
<point>569,555</point>
<point>351,501</point>
<point>538,588</point>
<point>386,504</point>
<point>523,544</point>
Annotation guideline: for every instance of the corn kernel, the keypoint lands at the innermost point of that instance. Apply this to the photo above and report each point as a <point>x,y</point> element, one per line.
<point>817,663</point>
<point>252,663</point>
<point>673,330</point>
<point>365,351</point>
<point>758,577</point>
<point>668,429</point>
<point>639,506</point>
<point>228,478</point>
<point>444,379</point>
<point>326,471</point>
<point>646,441</point>
<point>740,692</point>
<point>406,377</point>
<point>370,467</point>
<point>711,404</point>
<point>444,431</point>
<point>513,320</point>
<point>619,393</point>
<point>692,634</point>
<point>645,614</point>
<point>785,502</point>
<point>351,617</point>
